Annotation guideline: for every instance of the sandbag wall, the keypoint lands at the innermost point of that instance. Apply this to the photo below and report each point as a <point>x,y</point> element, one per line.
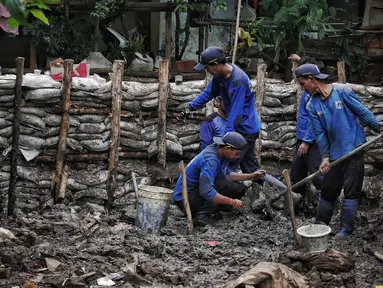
<point>88,137</point>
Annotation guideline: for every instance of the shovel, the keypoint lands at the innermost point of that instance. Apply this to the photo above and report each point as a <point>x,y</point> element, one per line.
<point>332,164</point>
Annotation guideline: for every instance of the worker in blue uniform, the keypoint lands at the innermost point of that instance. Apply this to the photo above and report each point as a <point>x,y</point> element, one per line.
<point>306,159</point>
<point>337,117</point>
<point>210,182</point>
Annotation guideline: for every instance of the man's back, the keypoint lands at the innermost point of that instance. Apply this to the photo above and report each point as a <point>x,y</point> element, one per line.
<point>212,126</point>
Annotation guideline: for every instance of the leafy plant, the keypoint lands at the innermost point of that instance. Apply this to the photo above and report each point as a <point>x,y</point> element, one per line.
<point>136,43</point>
<point>349,49</point>
<point>64,38</point>
<point>20,11</point>
<point>291,19</point>
<point>104,8</point>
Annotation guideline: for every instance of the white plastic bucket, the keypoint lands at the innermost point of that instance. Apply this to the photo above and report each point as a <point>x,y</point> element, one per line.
<point>315,237</point>
<point>152,208</point>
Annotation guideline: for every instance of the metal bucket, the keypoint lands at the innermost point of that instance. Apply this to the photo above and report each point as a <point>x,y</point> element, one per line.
<point>152,208</point>
<point>315,237</point>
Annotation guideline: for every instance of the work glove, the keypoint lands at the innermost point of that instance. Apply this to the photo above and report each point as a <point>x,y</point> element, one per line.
<point>185,113</point>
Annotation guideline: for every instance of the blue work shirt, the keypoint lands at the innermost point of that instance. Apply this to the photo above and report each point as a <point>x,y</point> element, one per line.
<point>201,173</point>
<point>337,121</point>
<point>238,97</point>
<point>212,126</point>
<point>305,131</point>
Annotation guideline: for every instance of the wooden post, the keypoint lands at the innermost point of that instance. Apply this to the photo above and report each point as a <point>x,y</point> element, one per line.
<point>206,37</point>
<point>185,197</point>
<point>162,110</point>
<point>96,33</point>
<point>259,94</point>
<point>32,56</point>
<point>341,72</point>
<point>299,90</point>
<point>61,149</point>
<point>237,30</point>
<point>117,75</point>
<point>200,41</point>
<point>168,36</point>
<point>15,135</point>
<point>210,104</point>
<point>291,207</point>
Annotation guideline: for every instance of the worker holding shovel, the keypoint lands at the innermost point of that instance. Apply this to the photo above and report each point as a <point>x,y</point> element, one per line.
<point>337,115</point>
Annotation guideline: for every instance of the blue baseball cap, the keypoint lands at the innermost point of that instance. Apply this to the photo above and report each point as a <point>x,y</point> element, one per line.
<point>232,139</point>
<point>310,70</point>
<point>210,55</point>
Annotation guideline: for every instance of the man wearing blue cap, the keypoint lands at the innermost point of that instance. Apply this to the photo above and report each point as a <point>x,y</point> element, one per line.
<point>209,181</point>
<point>306,153</point>
<point>233,85</point>
<point>337,115</point>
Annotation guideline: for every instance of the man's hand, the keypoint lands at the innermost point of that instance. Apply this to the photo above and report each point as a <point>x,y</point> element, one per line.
<point>185,113</point>
<point>294,57</point>
<point>258,175</point>
<point>237,203</point>
<point>303,148</point>
<point>325,166</point>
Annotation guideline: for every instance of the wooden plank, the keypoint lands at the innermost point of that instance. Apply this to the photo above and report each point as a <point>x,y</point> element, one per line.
<point>162,110</point>
<point>15,135</point>
<point>61,149</point>
<point>168,36</point>
<point>126,6</point>
<point>341,71</point>
<point>118,72</point>
<point>259,95</point>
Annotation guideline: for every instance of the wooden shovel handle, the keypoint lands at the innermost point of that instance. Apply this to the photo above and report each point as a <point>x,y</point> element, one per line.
<point>185,197</point>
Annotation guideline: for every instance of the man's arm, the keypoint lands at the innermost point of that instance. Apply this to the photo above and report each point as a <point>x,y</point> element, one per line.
<point>320,134</point>
<point>206,185</point>
<point>255,176</point>
<point>237,106</point>
<point>205,135</point>
<point>210,92</point>
<point>364,115</point>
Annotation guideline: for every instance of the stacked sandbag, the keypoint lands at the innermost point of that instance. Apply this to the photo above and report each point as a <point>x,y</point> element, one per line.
<point>278,129</point>
<point>140,133</point>
<point>7,95</point>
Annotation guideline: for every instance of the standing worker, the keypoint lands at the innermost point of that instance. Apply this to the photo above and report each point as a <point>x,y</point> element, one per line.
<point>210,182</point>
<point>337,115</point>
<point>306,153</point>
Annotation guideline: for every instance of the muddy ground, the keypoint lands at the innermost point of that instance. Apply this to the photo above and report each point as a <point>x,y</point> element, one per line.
<point>89,244</point>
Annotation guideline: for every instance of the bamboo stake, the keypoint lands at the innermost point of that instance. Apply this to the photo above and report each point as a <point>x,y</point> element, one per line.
<point>299,90</point>
<point>259,95</point>
<point>341,72</point>
<point>15,136</point>
<point>63,184</point>
<point>162,110</point>
<point>117,75</point>
<point>61,149</point>
<point>291,206</point>
<point>185,197</point>
<point>237,30</point>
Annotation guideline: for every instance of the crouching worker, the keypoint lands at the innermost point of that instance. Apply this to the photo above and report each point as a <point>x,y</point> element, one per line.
<point>210,184</point>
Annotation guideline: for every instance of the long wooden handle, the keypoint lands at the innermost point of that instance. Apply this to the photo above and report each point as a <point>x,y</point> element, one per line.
<point>185,197</point>
<point>291,206</point>
<point>332,164</point>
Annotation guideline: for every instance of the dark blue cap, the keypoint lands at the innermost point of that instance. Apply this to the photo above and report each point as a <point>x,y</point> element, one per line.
<point>232,139</point>
<point>310,70</point>
<point>210,55</point>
